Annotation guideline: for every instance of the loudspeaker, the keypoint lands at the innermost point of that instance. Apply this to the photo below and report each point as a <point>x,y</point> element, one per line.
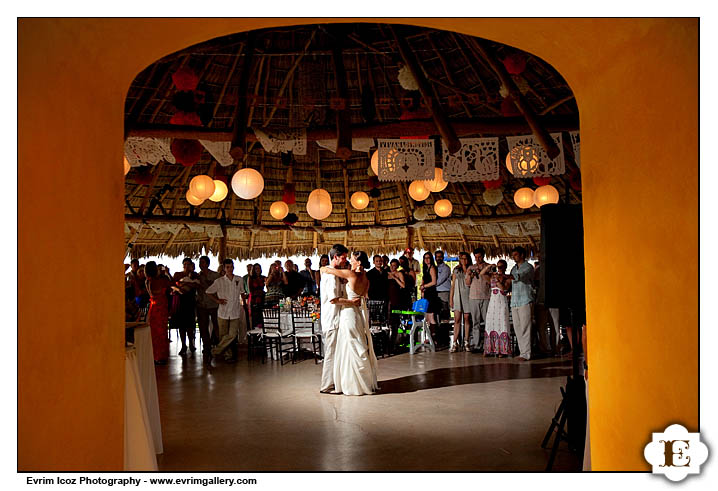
<point>561,269</point>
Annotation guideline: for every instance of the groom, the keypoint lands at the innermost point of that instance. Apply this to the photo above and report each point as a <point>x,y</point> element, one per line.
<point>331,287</point>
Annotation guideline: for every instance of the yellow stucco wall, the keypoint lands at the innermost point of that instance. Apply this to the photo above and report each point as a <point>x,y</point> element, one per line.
<point>636,83</point>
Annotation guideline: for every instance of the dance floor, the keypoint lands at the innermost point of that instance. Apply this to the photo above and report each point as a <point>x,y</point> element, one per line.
<point>434,412</point>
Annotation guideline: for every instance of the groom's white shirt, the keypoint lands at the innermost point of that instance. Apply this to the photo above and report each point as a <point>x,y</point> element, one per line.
<point>330,287</point>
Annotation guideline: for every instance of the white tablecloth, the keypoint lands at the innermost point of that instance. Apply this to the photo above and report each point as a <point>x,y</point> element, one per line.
<point>139,448</point>
<point>146,364</point>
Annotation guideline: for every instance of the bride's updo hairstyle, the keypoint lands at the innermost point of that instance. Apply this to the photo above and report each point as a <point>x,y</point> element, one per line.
<point>362,258</point>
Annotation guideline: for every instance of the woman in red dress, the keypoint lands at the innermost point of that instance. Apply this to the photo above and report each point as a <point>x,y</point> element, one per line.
<point>158,286</point>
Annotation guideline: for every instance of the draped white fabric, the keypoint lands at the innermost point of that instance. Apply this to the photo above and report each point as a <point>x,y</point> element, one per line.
<point>139,447</point>
<point>146,365</point>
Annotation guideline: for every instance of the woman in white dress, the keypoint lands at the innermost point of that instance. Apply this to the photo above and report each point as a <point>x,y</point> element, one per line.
<point>355,363</point>
<point>497,315</point>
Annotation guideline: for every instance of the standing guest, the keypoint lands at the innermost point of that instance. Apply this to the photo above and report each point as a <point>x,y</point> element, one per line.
<point>158,287</point>
<point>497,317</point>
<point>292,281</point>
<point>310,279</point>
<point>548,339</point>
<point>396,287</point>
<point>459,301</point>
<point>443,283</point>
<point>385,263</point>
<point>185,285</point>
<point>378,280</point>
<point>409,281</point>
<point>227,292</point>
<point>521,299</point>
<point>479,297</point>
<point>256,295</point>
<point>206,307</point>
<point>142,297</point>
<point>274,285</point>
<point>428,290</point>
<point>414,266</point>
<point>323,261</point>
<point>245,296</point>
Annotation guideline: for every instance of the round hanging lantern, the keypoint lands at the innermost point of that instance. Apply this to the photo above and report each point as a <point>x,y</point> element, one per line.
<point>186,119</point>
<point>319,204</point>
<point>418,190</point>
<point>186,152</point>
<point>527,158</point>
<point>515,63</point>
<point>192,199</point>
<point>202,186</point>
<point>437,184</point>
<point>185,79</point>
<point>493,197</point>
<point>545,195</point>
<point>524,198</point>
<point>375,162</point>
<point>493,184</point>
<point>247,183</point>
<point>279,210</point>
<point>421,213</point>
<point>127,165</point>
<point>359,200</point>
<point>220,191</point>
<point>508,163</point>
<point>542,181</point>
<point>443,208</point>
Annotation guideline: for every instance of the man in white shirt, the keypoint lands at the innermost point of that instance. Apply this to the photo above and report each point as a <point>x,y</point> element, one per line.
<point>331,287</point>
<point>227,292</point>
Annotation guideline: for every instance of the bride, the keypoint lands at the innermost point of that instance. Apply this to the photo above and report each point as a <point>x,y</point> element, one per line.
<point>355,364</point>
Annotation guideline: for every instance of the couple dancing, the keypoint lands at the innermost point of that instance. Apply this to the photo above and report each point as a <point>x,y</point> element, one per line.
<point>349,361</point>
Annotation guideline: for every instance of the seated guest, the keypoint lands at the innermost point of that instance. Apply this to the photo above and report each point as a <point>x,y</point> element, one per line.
<point>274,285</point>
<point>292,281</point>
<point>378,280</point>
<point>310,279</point>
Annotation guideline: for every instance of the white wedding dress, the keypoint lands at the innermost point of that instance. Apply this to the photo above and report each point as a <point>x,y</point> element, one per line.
<point>355,364</point>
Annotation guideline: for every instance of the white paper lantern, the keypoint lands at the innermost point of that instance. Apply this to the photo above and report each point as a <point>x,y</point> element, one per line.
<point>526,157</point>
<point>359,200</point>
<point>443,208</point>
<point>192,199</point>
<point>127,165</point>
<point>437,184</point>
<point>545,195</point>
<point>247,183</point>
<point>375,162</point>
<point>418,190</point>
<point>508,164</point>
<point>319,204</point>
<point>220,191</point>
<point>524,198</point>
<point>279,210</point>
<point>201,186</point>
<point>493,197</point>
<point>421,213</point>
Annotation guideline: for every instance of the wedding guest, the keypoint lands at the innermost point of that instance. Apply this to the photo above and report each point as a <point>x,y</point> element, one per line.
<point>292,281</point>
<point>256,295</point>
<point>378,280</point>
<point>548,338</point>
<point>443,283</point>
<point>459,301</point>
<point>206,307</point>
<point>310,279</point>
<point>158,287</point>
<point>385,263</point>
<point>409,281</point>
<point>274,284</point>
<point>397,299</point>
<point>521,300</point>
<point>414,266</point>
<point>185,284</point>
<point>497,316</point>
<point>428,290</point>
<point>227,292</point>
<point>479,296</point>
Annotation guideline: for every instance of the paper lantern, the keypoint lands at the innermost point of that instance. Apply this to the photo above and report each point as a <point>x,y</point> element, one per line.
<point>515,63</point>
<point>437,184</point>
<point>421,213</point>
<point>220,191</point>
<point>419,191</point>
<point>319,204</point>
<point>524,198</point>
<point>443,208</point>
<point>247,183</point>
<point>127,165</point>
<point>545,195</point>
<point>185,79</point>
<point>493,184</point>
<point>192,199</point>
<point>493,197</point>
<point>359,200</point>
<point>375,162</point>
<point>527,159</point>
<point>279,210</point>
<point>186,152</point>
<point>289,194</point>
<point>186,119</point>
<point>542,181</point>
<point>202,186</point>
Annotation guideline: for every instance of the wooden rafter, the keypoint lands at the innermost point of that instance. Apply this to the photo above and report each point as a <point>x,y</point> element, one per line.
<point>447,72</point>
<point>239,130</point>
<point>155,175</point>
<point>226,83</point>
<point>343,114</point>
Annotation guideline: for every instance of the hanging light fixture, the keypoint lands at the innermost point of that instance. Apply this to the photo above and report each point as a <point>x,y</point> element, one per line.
<point>192,199</point>
<point>524,198</point>
<point>508,164</point>
<point>526,157</point>
<point>127,165</point>
<point>493,197</point>
<point>545,195</point>
<point>418,190</point>
<point>443,208</point>
<point>319,204</point>
<point>421,213</point>
<point>220,191</point>
<point>359,200</point>
<point>247,183</point>
<point>202,186</point>
<point>375,162</point>
<point>279,210</point>
<point>437,184</point>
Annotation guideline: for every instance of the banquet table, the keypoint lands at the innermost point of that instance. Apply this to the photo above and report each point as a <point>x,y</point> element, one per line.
<point>146,365</point>
<point>139,446</point>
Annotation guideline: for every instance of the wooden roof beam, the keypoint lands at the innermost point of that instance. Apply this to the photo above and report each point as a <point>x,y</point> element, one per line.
<point>343,114</point>
<point>239,131</point>
<point>440,118</point>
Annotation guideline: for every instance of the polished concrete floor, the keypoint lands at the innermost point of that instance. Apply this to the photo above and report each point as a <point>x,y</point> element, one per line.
<point>435,412</point>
